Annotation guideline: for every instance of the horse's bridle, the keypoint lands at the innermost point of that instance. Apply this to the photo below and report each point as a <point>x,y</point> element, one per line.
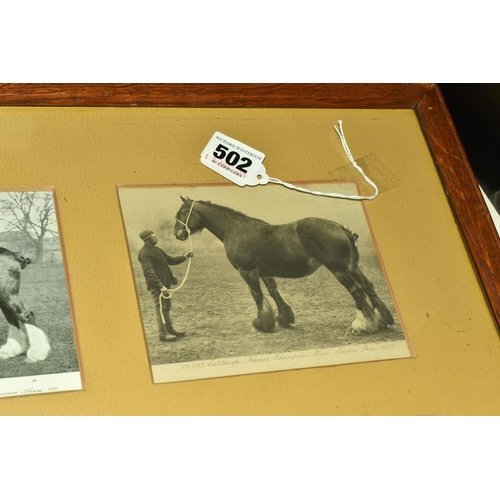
<point>168,293</point>
<point>185,224</point>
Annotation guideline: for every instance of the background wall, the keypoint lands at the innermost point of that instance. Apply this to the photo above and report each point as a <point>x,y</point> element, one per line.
<point>475,109</point>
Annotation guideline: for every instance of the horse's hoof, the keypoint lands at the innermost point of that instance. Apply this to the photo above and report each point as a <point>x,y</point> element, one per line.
<point>283,323</point>
<point>380,319</point>
<point>364,325</point>
<point>383,311</point>
<point>11,349</point>
<point>264,326</point>
<point>365,330</point>
<point>285,320</point>
<point>39,344</point>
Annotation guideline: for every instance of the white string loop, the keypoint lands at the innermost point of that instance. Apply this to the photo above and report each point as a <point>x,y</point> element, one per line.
<point>168,293</point>
<point>340,133</point>
<point>191,245</point>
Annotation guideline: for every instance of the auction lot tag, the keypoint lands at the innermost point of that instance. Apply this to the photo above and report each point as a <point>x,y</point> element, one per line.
<point>234,160</point>
<point>242,165</point>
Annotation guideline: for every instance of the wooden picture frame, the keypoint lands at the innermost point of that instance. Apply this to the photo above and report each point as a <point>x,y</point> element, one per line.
<point>458,182</point>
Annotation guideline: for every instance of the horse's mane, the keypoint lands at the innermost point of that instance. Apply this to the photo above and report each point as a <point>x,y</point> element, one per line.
<point>232,211</point>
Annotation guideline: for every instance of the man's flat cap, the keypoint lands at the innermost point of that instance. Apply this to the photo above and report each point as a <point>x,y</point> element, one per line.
<point>144,235</point>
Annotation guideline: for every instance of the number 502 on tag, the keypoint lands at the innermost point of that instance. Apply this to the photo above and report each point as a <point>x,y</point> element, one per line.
<point>234,160</point>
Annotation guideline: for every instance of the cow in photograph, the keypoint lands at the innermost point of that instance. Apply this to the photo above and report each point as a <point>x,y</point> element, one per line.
<point>259,250</point>
<point>23,336</point>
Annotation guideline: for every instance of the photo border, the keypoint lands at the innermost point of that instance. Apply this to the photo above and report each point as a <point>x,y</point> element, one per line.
<point>244,365</point>
<point>60,381</point>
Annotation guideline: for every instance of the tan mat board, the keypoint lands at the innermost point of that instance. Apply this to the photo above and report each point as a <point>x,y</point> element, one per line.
<point>86,152</point>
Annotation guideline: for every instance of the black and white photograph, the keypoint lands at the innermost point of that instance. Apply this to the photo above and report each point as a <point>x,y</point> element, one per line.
<point>235,280</point>
<point>38,351</point>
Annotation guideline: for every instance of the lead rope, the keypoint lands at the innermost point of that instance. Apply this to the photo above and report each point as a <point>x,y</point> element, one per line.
<point>168,294</point>
<point>340,133</point>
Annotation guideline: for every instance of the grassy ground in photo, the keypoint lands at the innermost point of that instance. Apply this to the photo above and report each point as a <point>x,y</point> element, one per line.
<point>43,290</point>
<point>216,310</point>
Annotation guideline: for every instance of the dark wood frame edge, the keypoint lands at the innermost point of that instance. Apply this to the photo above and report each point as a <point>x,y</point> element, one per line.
<point>461,187</point>
<point>468,205</point>
<point>298,95</point>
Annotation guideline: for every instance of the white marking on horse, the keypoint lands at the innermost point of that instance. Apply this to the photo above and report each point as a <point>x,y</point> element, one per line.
<point>39,344</point>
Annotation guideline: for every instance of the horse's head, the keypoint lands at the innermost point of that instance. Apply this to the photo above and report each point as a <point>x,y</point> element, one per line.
<point>187,220</point>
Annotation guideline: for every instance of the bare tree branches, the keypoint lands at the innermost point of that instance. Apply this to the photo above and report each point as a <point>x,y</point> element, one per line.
<point>31,213</point>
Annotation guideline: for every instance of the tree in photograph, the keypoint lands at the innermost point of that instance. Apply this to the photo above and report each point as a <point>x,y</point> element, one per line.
<point>33,215</point>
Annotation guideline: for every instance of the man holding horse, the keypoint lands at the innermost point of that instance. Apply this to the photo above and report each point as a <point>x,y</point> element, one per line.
<point>159,278</point>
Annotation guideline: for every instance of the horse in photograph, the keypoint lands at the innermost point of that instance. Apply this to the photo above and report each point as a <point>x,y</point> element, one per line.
<point>24,336</point>
<point>259,250</point>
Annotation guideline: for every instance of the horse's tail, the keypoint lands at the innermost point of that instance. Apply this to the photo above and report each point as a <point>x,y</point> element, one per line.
<point>353,238</point>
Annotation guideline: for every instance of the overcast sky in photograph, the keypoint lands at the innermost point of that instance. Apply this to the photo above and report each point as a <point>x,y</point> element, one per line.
<point>146,207</point>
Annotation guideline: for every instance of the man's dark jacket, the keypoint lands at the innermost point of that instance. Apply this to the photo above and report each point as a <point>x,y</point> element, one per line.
<point>155,264</point>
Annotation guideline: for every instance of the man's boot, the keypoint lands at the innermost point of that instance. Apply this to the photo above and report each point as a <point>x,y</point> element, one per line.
<point>172,331</point>
<point>167,337</point>
<point>170,327</point>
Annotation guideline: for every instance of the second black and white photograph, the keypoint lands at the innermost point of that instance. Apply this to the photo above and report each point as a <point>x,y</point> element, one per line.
<point>38,351</point>
<point>236,280</point>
